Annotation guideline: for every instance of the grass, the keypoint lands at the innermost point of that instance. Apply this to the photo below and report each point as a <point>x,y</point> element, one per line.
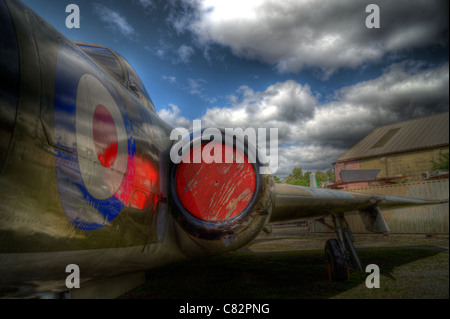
<point>417,271</point>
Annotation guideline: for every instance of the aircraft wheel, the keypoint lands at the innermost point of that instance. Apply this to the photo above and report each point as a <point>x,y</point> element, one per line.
<point>338,269</point>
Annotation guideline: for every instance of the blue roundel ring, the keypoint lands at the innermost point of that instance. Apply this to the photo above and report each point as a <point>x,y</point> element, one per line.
<point>92,191</point>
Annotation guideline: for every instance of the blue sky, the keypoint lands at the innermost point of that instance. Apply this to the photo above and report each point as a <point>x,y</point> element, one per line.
<point>310,68</point>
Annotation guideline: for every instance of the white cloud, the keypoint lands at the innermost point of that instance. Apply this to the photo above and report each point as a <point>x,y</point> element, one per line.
<point>146,4</point>
<point>281,105</point>
<point>166,51</point>
<point>196,87</point>
<point>307,156</point>
<point>326,34</point>
<point>314,135</point>
<point>173,116</point>
<point>113,20</point>
<point>170,78</point>
<point>184,53</point>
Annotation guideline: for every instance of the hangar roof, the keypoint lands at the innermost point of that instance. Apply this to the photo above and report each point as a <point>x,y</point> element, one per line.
<point>423,133</point>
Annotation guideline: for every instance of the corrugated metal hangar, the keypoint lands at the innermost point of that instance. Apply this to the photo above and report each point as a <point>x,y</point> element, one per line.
<point>403,152</point>
<point>397,160</point>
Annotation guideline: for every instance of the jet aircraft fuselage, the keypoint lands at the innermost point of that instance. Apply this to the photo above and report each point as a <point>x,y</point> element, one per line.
<point>86,177</point>
<point>85,168</point>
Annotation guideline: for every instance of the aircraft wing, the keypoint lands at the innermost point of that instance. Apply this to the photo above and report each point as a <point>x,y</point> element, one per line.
<point>299,202</point>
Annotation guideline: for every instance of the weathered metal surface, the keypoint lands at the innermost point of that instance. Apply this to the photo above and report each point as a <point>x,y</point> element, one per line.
<point>10,79</point>
<point>216,191</point>
<point>431,131</point>
<point>430,219</point>
<point>222,201</point>
<point>296,202</point>
<point>86,175</point>
<point>359,175</point>
<point>69,194</point>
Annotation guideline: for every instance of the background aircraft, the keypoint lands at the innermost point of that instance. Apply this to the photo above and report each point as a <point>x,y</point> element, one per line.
<point>86,177</point>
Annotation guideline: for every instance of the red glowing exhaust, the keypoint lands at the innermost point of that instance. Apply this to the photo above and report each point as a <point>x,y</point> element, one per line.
<point>215,189</point>
<point>218,191</point>
<point>219,198</point>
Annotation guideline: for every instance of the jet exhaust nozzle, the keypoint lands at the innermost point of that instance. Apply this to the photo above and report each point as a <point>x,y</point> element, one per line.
<point>216,188</point>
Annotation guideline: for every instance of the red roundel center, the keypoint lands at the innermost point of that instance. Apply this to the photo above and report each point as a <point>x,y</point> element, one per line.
<point>215,192</point>
<point>105,136</point>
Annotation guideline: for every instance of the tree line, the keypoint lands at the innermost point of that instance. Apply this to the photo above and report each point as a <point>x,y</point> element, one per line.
<point>298,177</point>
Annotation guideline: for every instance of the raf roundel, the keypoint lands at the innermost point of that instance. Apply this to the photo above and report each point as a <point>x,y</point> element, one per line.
<point>101,139</point>
<point>95,148</point>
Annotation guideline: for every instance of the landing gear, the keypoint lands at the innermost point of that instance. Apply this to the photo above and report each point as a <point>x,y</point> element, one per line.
<point>338,268</point>
<point>340,254</point>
